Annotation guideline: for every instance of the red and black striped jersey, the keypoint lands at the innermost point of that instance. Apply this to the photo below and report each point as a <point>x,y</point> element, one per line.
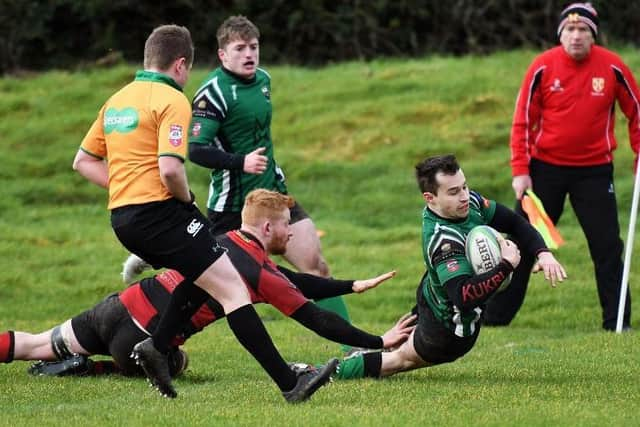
<point>145,300</point>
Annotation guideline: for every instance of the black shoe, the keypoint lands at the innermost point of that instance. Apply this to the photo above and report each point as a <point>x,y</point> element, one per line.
<point>155,366</point>
<point>309,381</point>
<point>77,364</point>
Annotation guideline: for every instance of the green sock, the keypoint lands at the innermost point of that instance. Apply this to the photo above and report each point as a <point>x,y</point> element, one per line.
<point>338,306</point>
<point>361,366</point>
<point>350,368</point>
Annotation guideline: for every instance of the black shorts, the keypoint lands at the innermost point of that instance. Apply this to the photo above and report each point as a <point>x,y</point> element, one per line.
<point>107,329</point>
<point>169,234</point>
<point>436,344</point>
<point>223,222</point>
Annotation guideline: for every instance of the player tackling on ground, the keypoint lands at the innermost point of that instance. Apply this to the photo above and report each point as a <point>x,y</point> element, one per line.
<point>114,325</point>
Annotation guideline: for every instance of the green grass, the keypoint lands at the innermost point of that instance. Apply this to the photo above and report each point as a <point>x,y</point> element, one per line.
<point>348,137</point>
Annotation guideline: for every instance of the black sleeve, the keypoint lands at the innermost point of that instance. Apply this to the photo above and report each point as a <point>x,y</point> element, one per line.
<point>333,327</point>
<point>507,221</point>
<point>212,157</point>
<point>316,287</point>
<point>468,292</point>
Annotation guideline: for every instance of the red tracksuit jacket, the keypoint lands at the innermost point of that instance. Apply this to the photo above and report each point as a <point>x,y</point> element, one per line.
<point>564,113</point>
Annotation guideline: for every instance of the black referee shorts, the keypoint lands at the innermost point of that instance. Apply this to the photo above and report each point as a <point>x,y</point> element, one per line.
<point>169,234</point>
<point>436,344</point>
<point>223,222</point>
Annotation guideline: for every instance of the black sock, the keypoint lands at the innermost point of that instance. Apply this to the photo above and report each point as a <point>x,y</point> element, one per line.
<point>372,364</point>
<point>251,333</point>
<point>185,301</point>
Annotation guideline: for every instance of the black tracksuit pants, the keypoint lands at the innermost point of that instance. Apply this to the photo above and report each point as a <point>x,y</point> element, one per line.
<point>593,199</point>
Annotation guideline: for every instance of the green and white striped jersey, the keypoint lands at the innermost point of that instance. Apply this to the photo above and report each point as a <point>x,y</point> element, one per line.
<point>235,115</point>
<point>443,243</point>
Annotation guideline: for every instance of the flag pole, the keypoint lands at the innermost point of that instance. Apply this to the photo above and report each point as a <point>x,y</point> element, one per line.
<point>627,253</point>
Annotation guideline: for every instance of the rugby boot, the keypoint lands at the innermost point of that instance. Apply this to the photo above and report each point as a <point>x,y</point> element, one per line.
<point>309,381</point>
<point>77,364</point>
<point>155,366</point>
<point>300,368</point>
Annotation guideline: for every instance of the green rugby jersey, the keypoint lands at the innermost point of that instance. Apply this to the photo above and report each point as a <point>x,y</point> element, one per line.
<point>443,243</point>
<point>235,115</point>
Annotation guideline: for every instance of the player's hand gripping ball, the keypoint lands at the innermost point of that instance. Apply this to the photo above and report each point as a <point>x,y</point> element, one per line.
<point>482,249</point>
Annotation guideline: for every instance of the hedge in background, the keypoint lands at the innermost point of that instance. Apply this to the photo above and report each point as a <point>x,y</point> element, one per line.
<point>65,33</point>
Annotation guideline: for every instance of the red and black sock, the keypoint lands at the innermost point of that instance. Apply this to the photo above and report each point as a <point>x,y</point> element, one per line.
<point>7,345</point>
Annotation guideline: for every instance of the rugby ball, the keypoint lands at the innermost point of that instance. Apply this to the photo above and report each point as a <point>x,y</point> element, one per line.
<point>482,249</point>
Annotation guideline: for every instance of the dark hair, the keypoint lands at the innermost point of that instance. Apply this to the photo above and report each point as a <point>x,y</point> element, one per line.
<point>427,170</point>
<point>166,44</point>
<point>236,27</point>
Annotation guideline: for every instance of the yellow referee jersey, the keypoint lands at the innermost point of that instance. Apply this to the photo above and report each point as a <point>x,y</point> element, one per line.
<point>144,120</point>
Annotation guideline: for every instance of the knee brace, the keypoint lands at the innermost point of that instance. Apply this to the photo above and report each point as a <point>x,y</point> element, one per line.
<point>60,344</point>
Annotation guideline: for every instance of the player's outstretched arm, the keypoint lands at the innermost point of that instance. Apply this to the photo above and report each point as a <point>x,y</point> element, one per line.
<point>316,287</point>
<point>329,325</point>
<point>360,286</point>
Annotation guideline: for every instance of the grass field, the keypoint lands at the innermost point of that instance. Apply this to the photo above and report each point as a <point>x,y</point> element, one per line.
<point>348,137</point>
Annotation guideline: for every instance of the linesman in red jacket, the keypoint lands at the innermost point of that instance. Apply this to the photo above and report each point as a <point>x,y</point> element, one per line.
<point>562,142</point>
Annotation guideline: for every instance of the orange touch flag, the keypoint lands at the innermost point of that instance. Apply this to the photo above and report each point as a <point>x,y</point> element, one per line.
<point>540,220</point>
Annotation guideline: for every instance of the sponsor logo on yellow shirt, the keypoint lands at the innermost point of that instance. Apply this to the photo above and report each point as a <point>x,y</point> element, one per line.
<point>122,121</point>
